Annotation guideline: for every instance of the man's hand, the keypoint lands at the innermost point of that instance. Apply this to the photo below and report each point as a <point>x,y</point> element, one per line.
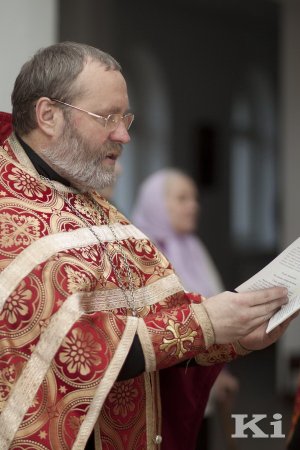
<point>236,315</point>
<point>259,339</point>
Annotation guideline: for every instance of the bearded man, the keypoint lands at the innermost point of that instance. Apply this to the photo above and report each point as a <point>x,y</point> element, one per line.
<point>90,309</point>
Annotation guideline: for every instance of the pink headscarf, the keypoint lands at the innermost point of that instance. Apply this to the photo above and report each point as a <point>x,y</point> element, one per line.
<point>186,252</point>
<point>184,393</point>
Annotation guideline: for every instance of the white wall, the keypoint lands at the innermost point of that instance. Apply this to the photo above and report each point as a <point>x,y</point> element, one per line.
<point>26,25</point>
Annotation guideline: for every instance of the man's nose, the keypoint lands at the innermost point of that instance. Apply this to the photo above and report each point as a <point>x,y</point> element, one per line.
<point>120,134</point>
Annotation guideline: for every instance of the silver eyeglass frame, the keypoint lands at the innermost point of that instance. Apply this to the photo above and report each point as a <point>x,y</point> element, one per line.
<point>97,116</point>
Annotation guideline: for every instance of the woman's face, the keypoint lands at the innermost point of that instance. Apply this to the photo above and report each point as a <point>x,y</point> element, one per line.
<point>182,203</point>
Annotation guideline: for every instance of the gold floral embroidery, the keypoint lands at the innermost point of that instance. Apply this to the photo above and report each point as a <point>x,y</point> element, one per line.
<point>52,411</point>
<point>166,315</point>
<point>123,272</point>
<point>89,252</point>
<point>137,280</point>
<point>76,422</point>
<point>77,281</point>
<point>18,230</point>
<point>143,245</point>
<point>215,354</point>
<point>44,324</point>
<point>87,208</point>
<point>179,339</point>
<point>80,352</point>
<point>16,305</point>
<point>25,183</point>
<point>159,271</point>
<point>7,379</point>
<point>123,397</point>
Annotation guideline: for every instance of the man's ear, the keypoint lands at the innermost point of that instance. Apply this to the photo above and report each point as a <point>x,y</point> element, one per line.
<point>48,116</point>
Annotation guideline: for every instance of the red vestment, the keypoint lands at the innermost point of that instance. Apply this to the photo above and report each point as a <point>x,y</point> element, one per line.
<point>66,326</point>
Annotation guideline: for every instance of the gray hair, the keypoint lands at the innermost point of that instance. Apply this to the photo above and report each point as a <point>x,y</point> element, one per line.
<point>52,73</point>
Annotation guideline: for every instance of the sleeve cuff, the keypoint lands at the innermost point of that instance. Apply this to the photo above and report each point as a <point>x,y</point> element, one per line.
<point>205,323</point>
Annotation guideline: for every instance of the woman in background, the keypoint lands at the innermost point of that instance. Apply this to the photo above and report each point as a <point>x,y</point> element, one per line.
<point>166,210</point>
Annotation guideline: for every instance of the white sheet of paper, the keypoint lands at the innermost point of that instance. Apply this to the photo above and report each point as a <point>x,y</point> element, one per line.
<point>284,270</point>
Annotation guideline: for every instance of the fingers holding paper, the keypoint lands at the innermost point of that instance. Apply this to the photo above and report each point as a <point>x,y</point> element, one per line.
<point>259,339</point>
<point>236,315</point>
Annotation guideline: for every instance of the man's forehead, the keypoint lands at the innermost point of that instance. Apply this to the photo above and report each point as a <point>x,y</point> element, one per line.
<point>95,71</point>
<point>97,77</point>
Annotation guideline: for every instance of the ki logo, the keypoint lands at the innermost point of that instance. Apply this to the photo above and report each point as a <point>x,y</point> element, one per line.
<point>242,425</point>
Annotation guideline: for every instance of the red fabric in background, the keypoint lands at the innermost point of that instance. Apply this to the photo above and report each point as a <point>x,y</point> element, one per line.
<point>5,126</point>
<point>184,395</point>
<point>293,437</point>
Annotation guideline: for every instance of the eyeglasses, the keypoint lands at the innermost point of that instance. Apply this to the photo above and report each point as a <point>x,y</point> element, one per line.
<point>111,122</point>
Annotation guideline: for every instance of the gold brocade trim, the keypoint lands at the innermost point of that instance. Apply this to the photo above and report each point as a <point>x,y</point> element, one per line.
<point>97,438</point>
<point>21,154</point>
<point>146,343</point>
<point>216,354</point>
<point>152,416</point>
<point>155,292</point>
<point>35,370</point>
<point>158,407</point>
<point>44,248</point>
<point>205,323</point>
<point>240,349</point>
<point>24,161</point>
<point>106,383</point>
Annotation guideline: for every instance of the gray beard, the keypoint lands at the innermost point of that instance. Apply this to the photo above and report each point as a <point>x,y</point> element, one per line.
<point>74,159</point>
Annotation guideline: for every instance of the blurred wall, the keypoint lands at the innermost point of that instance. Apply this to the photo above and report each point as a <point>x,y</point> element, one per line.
<point>290,120</point>
<point>288,348</point>
<point>25,27</point>
<point>196,54</point>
